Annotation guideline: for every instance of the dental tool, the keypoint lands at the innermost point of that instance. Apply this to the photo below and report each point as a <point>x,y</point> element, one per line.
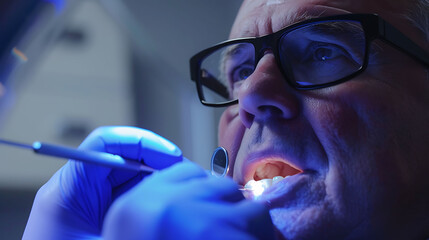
<point>220,167</point>
<point>99,158</point>
<point>220,162</point>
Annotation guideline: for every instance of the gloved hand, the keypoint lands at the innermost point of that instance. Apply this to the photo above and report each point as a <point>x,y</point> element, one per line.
<point>73,203</point>
<point>183,202</point>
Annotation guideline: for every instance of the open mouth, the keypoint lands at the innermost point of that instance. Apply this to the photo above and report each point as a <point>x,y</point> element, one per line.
<point>266,173</point>
<point>271,168</point>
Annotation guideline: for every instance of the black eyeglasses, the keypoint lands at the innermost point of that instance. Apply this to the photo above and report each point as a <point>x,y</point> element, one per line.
<point>312,54</point>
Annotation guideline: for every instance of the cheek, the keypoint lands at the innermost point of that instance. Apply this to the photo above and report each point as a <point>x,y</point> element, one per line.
<point>343,133</point>
<point>361,127</point>
<point>231,131</point>
<point>355,122</point>
<point>344,130</point>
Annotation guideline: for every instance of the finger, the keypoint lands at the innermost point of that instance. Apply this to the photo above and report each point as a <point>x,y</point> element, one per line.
<point>259,223</point>
<point>178,173</point>
<point>236,213</point>
<point>233,234</point>
<point>195,220</point>
<point>216,189</point>
<point>229,233</point>
<point>134,143</point>
<point>231,218</point>
<point>118,177</point>
<point>248,208</point>
<point>124,184</point>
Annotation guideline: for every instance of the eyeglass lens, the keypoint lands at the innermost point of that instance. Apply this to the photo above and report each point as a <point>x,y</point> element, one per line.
<point>315,54</point>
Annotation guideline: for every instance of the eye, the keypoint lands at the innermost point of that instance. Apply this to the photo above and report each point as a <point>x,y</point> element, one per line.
<point>242,73</point>
<point>325,52</point>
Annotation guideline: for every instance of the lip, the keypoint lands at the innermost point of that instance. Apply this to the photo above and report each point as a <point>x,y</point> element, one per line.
<point>287,191</point>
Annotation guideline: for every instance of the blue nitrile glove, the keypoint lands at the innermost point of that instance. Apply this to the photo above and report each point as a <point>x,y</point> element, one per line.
<point>73,203</point>
<point>183,202</point>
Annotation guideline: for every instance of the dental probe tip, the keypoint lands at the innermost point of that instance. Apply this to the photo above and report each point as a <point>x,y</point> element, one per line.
<point>16,144</point>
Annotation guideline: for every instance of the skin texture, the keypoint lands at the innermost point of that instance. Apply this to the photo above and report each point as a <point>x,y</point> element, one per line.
<point>362,144</point>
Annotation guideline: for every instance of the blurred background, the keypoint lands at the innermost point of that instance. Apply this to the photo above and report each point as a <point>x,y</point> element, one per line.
<point>111,62</point>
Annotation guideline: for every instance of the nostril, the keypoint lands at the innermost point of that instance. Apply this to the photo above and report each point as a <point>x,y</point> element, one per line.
<point>262,112</point>
<point>269,110</point>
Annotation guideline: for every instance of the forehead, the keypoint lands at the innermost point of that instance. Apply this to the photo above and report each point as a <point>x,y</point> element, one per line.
<point>258,18</point>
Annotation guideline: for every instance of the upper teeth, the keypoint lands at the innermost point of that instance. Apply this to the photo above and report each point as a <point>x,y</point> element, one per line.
<point>256,188</point>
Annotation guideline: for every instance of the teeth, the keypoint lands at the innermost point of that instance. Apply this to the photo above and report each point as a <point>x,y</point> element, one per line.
<point>277,179</point>
<point>264,183</point>
<point>258,187</point>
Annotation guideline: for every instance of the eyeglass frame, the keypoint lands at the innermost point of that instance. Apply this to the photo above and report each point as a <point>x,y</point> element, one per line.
<point>374,27</point>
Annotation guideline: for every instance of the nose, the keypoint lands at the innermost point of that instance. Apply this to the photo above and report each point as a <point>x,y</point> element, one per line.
<point>266,94</point>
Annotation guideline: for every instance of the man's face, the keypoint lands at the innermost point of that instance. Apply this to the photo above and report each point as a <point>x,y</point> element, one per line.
<point>359,148</point>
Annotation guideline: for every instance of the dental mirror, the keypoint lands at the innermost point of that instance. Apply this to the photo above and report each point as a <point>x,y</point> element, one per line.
<point>220,162</point>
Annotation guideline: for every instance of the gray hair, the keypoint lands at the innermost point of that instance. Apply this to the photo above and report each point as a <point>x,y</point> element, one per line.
<point>418,14</point>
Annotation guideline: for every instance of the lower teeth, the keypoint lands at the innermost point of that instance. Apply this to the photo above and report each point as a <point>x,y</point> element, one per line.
<point>255,188</point>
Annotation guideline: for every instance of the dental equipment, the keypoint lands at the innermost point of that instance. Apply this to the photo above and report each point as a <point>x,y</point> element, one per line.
<point>100,158</point>
<point>220,167</point>
<point>220,162</point>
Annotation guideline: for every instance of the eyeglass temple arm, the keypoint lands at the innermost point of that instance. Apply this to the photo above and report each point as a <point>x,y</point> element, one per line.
<point>392,35</point>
